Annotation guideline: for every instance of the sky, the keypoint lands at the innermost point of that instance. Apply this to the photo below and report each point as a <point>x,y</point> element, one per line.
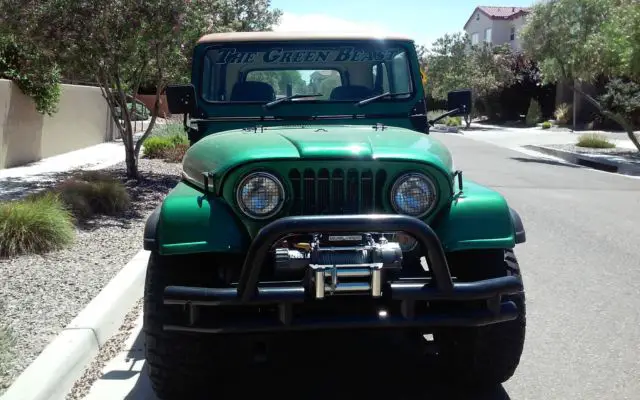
<point>422,20</point>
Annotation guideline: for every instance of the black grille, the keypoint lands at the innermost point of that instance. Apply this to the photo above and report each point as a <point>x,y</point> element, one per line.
<point>336,191</point>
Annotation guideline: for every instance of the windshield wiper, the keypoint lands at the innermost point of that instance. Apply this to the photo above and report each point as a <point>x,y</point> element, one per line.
<point>377,97</point>
<point>289,98</point>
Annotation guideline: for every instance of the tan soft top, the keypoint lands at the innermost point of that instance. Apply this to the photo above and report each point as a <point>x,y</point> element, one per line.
<point>291,36</point>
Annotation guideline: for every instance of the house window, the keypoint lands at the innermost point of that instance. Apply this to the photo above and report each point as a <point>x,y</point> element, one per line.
<point>474,39</point>
<point>512,35</point>
<point>487,35</point>
<point>478,17</point>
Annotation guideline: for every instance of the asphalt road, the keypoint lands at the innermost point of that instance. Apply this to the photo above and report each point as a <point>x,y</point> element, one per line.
<point>582,275</point>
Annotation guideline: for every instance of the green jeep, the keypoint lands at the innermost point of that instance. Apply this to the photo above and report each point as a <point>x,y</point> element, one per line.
<point>314,202</point>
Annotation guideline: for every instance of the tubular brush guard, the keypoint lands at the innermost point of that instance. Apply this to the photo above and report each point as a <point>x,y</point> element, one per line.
<point>399,296</point>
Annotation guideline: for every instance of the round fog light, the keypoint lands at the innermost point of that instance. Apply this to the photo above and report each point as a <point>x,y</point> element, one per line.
<point>407,242</point>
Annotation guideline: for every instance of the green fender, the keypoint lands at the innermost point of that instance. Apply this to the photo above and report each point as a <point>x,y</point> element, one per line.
<point>188,222</point>
<point>479,218</point>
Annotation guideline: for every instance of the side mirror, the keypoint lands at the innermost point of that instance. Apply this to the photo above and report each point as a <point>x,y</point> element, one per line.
<point>460,100</point>
<point>181,99</point>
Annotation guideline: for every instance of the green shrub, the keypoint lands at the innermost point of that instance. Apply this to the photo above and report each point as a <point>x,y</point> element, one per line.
<point>453,121</point>
<point>170,129</point>
<point>534,113</point>
<point>32,71</point>
<point>92,193</point>
<point>595,141</point>
<point>179,139</point>
<point>170,144</point>
<point>34,225</point>
<point>157,146</point>
<point>563,114</point>
<point>546,125</point>
<point>93,176</point>
<point>176,153</point>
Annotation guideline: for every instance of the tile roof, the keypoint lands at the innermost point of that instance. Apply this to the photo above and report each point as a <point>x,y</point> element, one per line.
<point>502,12</point>
<point>498,12</point>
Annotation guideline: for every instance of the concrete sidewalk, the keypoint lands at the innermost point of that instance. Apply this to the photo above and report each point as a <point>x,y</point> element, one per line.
<point>517,137</point>
<point>20,181</point>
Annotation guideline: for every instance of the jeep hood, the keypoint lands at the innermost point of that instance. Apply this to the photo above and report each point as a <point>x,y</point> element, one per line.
<point>218,153</point>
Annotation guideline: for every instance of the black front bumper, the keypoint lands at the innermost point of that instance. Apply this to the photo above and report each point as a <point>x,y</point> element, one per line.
<point>283,305</point>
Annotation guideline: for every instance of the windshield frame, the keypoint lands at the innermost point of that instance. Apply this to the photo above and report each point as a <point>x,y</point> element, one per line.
<point>407,47</point>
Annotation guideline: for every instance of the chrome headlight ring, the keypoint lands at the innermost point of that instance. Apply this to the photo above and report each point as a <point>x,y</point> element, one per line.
<point>260,195</point>
<point>414,194</point>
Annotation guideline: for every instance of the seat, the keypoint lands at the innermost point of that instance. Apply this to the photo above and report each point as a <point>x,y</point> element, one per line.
<point>353,92</point>
<point>252,91</point>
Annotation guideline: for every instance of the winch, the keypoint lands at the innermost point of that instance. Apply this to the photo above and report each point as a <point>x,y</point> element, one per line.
<point>344,264</point>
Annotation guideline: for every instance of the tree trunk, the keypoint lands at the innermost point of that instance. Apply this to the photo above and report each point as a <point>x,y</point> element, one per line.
<point>131,162</point>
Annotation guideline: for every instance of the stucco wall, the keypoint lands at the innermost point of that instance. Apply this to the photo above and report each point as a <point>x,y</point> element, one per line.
<point>518,23</point>
<point>479,26</point>
<point>27,136</point>
<point>500,30</point>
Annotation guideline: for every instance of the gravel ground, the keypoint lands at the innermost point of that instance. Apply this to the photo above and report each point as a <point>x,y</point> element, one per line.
<point>42,294</point>
<point>111,348</point>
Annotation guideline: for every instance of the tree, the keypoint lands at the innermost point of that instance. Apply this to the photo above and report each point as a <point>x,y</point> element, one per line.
<point>32,71</point>
<point>578,41</point>
<point>124,43</point>
<point>453,63</point>
<point>447,65</point>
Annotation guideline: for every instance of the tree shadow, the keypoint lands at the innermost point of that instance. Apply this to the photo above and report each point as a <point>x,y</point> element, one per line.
<point>15,188</point>
<point>475,127</point>
<point>145,193</point>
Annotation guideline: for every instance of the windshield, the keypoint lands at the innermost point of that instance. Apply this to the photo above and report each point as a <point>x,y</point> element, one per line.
<point>264,72</point>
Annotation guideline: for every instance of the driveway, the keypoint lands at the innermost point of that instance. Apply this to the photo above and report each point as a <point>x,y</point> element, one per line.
<point>581,272</point>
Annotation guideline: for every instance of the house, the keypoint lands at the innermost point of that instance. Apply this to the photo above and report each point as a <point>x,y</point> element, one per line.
<point>496,25</point>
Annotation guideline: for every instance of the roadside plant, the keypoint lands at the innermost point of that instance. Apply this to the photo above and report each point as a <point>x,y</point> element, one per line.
<point>91,194</point>
<point>176,154</point>
<point>546,125</point>
<point>34,225</point>
<point>534,113</point>
<point>594,141</point>
<point>157,146</point>
<point>563,114</point>
<point>170,148</point>
<point>453,121</point>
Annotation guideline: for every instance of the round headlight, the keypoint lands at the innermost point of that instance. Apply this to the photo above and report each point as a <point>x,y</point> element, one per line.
<point>260,195</point>
<point>413,194</point>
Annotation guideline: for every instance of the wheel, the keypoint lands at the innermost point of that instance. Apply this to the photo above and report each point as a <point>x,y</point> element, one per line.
<point>186,365</point>
<point>488,355</point>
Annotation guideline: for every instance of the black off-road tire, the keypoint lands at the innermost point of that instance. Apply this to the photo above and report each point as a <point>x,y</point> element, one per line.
<point>184,365</point>
<point>488,355</point>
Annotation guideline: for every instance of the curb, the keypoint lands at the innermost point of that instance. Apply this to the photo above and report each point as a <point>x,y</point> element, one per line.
<point>53,374</point>
<point>586,160</point>
<point>446,129</point>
